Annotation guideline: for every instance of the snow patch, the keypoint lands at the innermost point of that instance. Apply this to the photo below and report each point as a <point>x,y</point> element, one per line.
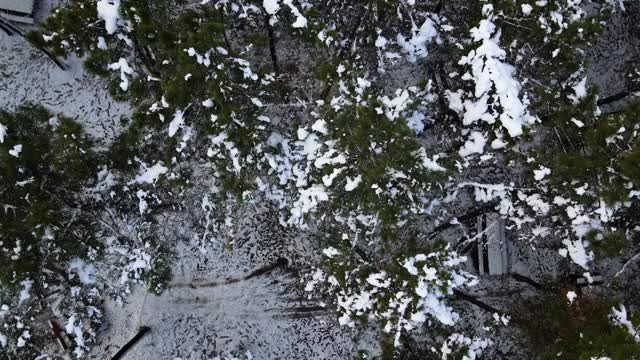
<point>416,46</point>
<point>541,173</point>
<point>102,44</point>
<point>580,91</point>
<point>176,123</point>
<point>301,21</point>
<point>125,70</point>
<point>620,318</point>
<point>474,145</point>
<point>330,252</point>
<point>15,152</point>
<point>151,174</point>
<point>86,272</point>
<point>271,6</point>
<point>320,126</point>
<point>25,293</point>
<point>108,10</point>
<point>142,203</point>
<point>576,252</point>
<point>352,183</point>
<point>489,72</point>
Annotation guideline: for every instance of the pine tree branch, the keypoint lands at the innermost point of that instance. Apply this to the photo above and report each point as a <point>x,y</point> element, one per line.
<point>224,31</point>
<point>462,296</point>
<point>528,280</point>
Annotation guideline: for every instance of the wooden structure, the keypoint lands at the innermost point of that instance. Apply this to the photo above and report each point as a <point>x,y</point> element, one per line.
<point>58,331</point>
<point>493,249</point>
<point>17,10</point>
<point>582,282</point>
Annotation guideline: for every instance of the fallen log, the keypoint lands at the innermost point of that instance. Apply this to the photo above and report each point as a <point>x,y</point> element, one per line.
<point>279,263</point>
<point>613,98</point>
<point>141,333</point>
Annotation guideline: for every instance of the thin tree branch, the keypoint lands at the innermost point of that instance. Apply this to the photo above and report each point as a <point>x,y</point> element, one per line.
<point>624,267</point>
<point>460,295</point>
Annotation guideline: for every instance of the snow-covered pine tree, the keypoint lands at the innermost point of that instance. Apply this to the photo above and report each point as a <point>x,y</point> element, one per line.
<point>47,231</point>
<point>507,87</point>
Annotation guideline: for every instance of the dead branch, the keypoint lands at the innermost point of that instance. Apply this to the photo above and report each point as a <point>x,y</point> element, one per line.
<point>141,333</point>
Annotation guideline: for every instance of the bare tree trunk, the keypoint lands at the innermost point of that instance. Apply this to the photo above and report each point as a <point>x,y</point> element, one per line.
<point>272,44</point>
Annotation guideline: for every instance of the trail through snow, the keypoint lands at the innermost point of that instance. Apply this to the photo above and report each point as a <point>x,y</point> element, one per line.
<point>260,316</point>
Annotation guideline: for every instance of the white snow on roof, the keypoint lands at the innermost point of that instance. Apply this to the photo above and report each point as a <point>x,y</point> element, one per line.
<point>21,6</point>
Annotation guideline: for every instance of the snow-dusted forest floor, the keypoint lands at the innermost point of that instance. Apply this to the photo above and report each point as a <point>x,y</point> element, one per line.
<point>261,318</point>
<point>246,302</point>
<point>258,318</point>
<point>28,75</point>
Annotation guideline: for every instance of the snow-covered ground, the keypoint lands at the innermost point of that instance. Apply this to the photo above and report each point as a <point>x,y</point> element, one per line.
<point>28,75</point>
<point>253,318</point>
<point>230,303</point>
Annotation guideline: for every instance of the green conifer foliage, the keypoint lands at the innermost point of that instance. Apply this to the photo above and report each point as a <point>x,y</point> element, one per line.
<point>386,154</point>
<point>581,330</point>
<point>179,61</point>
<point>42,222</point>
